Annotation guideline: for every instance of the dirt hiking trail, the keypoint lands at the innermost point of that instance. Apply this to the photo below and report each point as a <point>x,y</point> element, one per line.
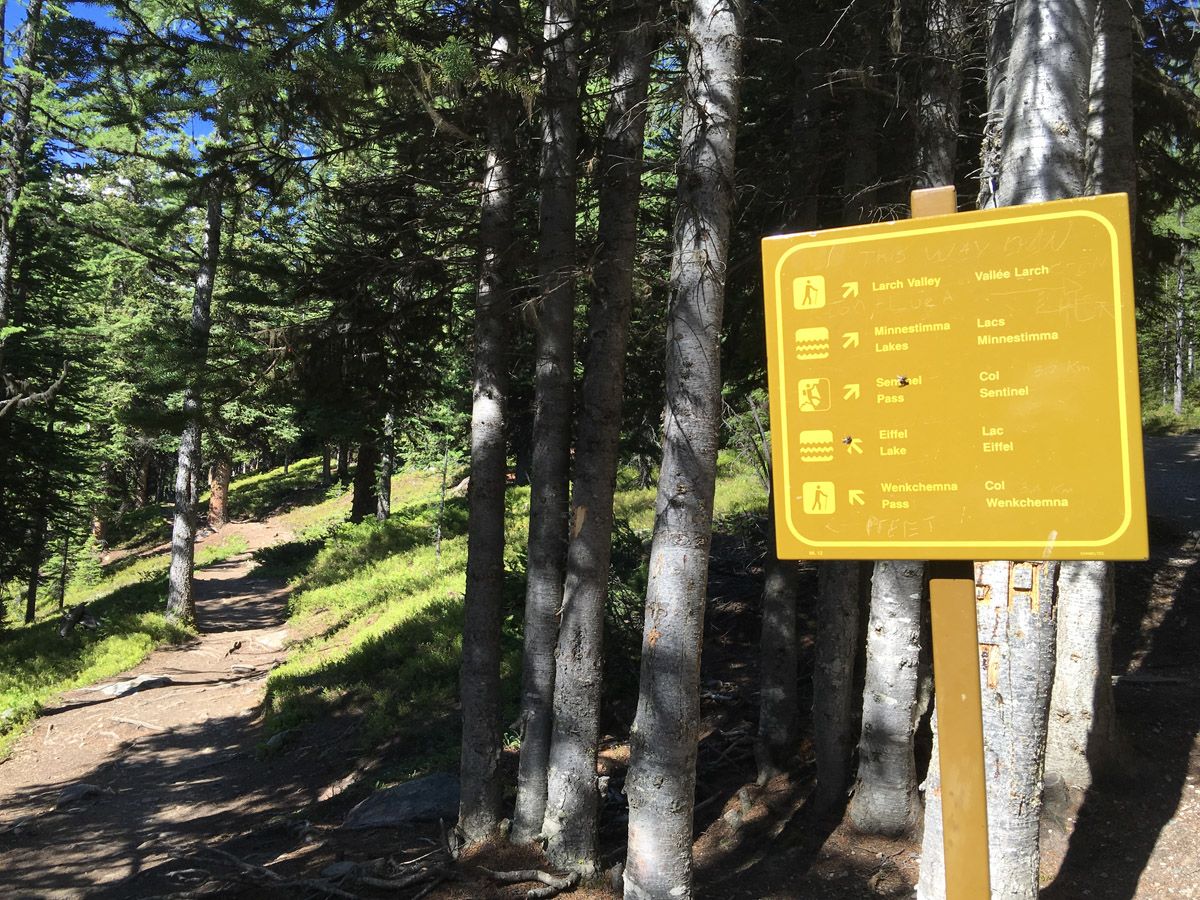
<point>106,779</point>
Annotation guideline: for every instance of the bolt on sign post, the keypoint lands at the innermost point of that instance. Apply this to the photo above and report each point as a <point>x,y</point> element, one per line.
<point>958,387</point>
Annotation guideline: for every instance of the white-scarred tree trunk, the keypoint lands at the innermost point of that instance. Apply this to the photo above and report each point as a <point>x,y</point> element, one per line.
<point>662,774</point>
<point>885,799</point>
<point>1042,158</point>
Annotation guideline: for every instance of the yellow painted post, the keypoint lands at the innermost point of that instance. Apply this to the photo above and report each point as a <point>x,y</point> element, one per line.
<point>956,678</point>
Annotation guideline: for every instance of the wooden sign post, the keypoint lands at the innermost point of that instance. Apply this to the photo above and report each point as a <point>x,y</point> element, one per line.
<point>954,388</point>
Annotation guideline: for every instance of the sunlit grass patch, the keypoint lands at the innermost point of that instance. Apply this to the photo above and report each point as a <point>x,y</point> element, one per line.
<point>379,614</point>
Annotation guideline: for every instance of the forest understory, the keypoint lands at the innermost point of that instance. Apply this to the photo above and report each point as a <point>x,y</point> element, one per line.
<point>246,804</point>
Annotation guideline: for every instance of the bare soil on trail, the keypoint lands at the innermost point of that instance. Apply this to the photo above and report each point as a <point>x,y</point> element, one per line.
<point>103,783</point>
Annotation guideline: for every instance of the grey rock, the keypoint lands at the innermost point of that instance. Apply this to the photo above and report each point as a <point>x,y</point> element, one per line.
<point>133,685</point>
<point>75,793</point>
<point>422,800</point>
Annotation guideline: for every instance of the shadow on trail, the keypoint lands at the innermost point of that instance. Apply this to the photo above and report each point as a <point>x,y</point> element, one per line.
<point>1158,709</point>
<point>187,784</point>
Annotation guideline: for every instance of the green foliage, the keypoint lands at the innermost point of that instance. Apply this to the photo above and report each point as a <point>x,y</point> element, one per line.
<point>1163,420</point>
<point>87,571</point>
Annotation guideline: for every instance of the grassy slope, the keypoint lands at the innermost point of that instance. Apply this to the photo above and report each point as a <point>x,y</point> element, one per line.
<point>379,616</point>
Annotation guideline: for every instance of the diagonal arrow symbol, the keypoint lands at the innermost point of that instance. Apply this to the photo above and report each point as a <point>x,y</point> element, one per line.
<point>851,391</point>
<point>856,498</point>
<point>849,339</point>
<point>849,289</point>
<point>855,446</point>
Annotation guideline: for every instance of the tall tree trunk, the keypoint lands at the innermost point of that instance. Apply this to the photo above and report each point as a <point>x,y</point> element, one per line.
<point>1083,741</point>
<point>37,539</point>
<point>343,464</point>
<point>553,386</point>
<point>387,465</point>
<point>181,604</point>
<point>64,569</point>
<point>778,711</point>
<point>364,501</point>
<point>1111,152</point>
<point>940,93</point>
<point>807,163</point>
<point>999,46</point>
<point>662,775</point>
<point>479,686</point>
<point>861,171</point>
<point>142,488</point>
<point>1042,158</point>
<point>218,487</point>
<point>326,466</point>
<point>1046,101</point>
<point>570,820</point>
<point>19,140</point>
<point>885,798</point>
<point>836,703</point>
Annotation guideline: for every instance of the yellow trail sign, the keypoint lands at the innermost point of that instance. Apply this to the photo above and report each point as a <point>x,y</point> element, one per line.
<point>958,387</point>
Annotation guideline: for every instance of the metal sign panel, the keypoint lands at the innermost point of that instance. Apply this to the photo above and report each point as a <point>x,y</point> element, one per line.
<point>958,387</point>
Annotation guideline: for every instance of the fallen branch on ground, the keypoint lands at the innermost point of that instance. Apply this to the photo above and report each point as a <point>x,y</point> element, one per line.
<point>261,873</point>
<point>555,884</point>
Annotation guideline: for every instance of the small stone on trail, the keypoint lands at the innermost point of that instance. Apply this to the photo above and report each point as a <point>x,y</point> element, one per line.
<point>132,685</point>
<point>423,800</point>
<point>275,741</point>
<point>74,793</point>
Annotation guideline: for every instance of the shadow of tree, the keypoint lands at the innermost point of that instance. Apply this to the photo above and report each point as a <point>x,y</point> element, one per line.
<point>1121,822</point>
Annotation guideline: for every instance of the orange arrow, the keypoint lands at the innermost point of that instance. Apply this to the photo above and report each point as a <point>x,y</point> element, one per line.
<point>856,498</point>
<point>849,288</point>
<point>851,391</point>
<point>850,339</point>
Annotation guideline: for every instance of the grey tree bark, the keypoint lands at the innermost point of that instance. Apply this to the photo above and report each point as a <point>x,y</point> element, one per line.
<point>885,799</point>
<point>999,46</point>
<point>181,604</point>
<point>1084,741</point>
<point>218,491</point>
<point>479,684</point>
<point>1111,154</point>
<point>37,541</point>
<point>1046,101</point>
<point>940,93</point>
<point>836,704</point>
<point>861,164</point>
<point>387,466</point>
<point>570,821</point>
<point>778,708</point>
<point>365,501</point>
<point>1042,158</point>
<point>553,389</point>
<point>662,776</point>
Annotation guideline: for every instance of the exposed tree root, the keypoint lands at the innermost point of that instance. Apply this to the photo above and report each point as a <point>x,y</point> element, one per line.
<point>554,884</point>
